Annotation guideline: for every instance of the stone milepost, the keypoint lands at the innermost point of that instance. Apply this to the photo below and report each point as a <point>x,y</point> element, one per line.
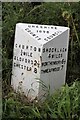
<point>40,57</point>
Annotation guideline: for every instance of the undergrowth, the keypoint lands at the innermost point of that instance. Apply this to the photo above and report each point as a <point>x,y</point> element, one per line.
<point>64,104</point>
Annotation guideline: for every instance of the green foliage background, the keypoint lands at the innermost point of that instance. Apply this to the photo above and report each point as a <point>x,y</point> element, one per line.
<point>62,14</point>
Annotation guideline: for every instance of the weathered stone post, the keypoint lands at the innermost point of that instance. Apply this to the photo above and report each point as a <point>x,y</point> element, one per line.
<point>40,57</point>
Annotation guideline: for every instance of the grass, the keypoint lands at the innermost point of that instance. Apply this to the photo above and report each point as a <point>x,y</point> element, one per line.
<point>64,104</point>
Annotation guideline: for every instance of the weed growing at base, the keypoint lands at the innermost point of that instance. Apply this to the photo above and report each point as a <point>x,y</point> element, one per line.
<point>63,104</point>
